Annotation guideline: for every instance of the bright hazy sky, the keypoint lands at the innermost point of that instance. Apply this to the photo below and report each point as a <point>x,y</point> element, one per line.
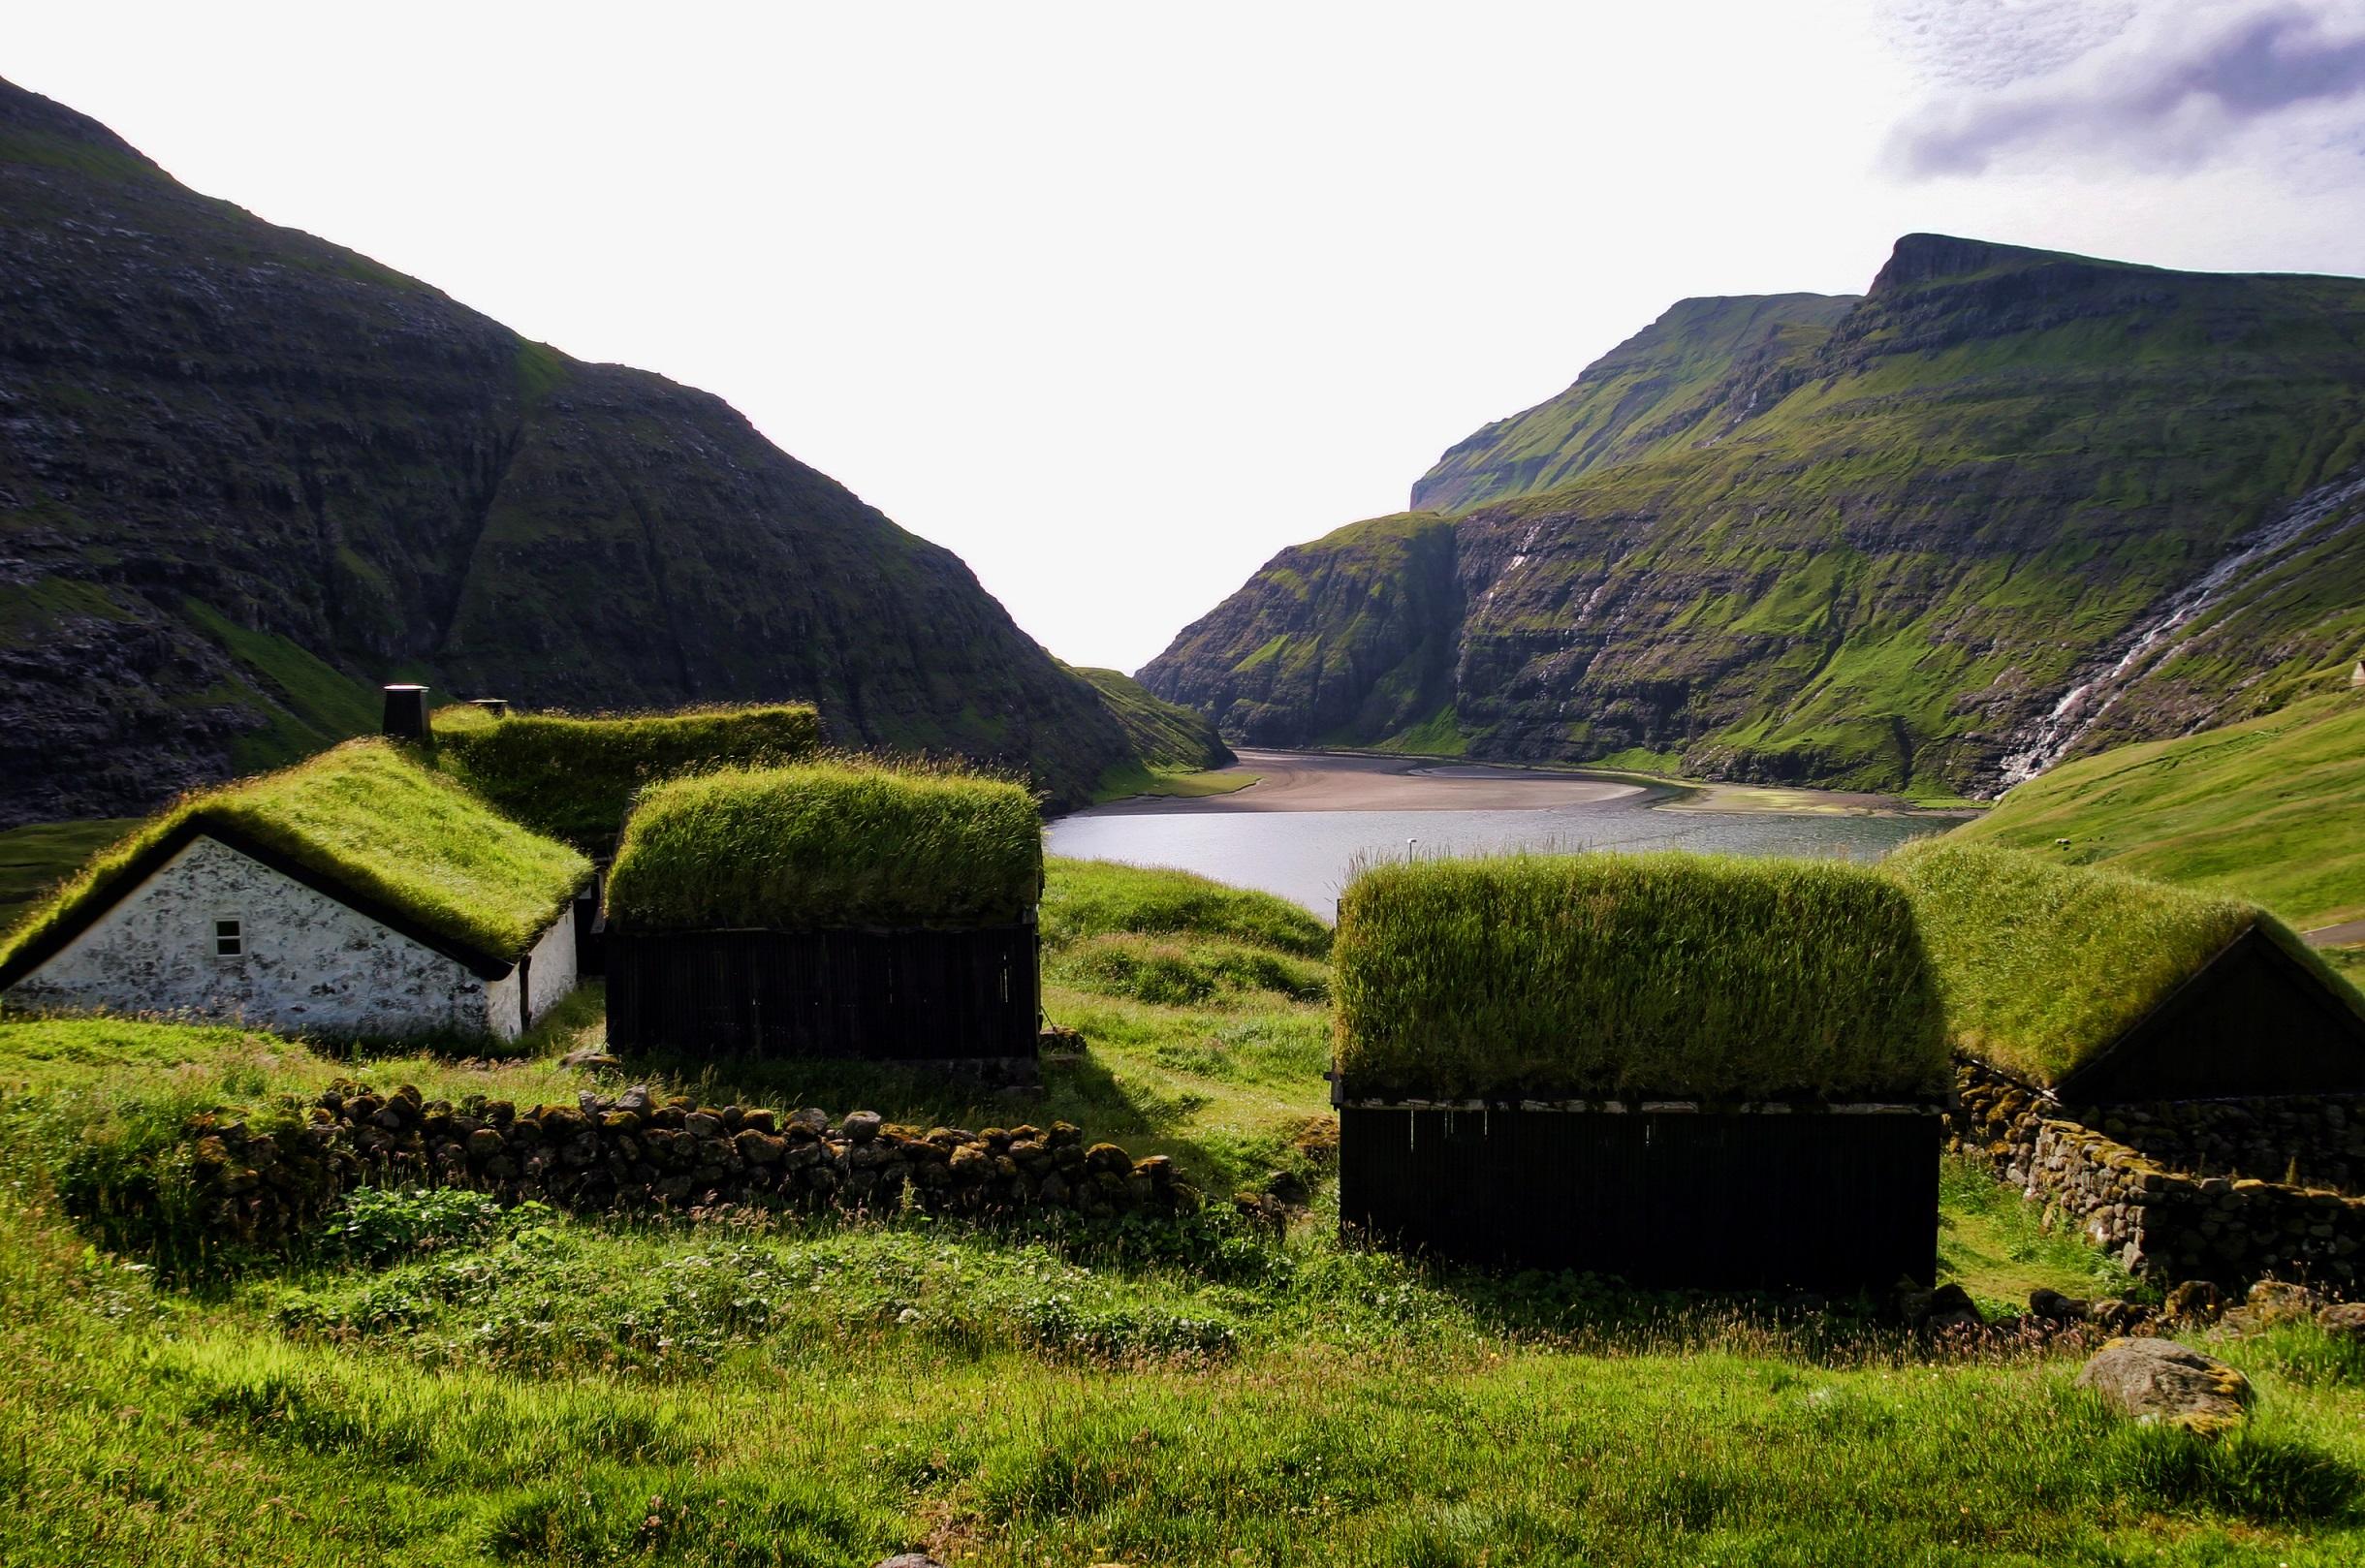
<point>1115,300</point>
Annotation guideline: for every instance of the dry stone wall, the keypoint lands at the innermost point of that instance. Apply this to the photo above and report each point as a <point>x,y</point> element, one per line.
<point>636,1151</point>
<point>2310,1141</point>
<point>2165,1223</point>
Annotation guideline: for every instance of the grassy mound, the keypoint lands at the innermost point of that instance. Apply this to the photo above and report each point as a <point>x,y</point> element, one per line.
<point>1681,974</point>
<point>370,816</point>
<point>1086,898</point>
<point>573,777</point>
<point>827,846</point>
<point>1186,973</point>
<point>2043,965</point>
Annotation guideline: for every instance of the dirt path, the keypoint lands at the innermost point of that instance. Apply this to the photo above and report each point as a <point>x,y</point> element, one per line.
<point>1309,781</point>
<point>2347,933</point>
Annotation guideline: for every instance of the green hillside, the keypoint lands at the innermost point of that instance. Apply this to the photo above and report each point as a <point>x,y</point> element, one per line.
<point>250,476</point>
<point>1870,551</point>
<point>2272,811</point>
<point>1163,734</point>
<point>1646,394</point>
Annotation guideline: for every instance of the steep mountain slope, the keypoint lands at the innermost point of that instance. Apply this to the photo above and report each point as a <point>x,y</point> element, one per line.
<point>1874,551</point>
<point>1704,358</point>
<point>1163,733</point>
<point>245,474</point>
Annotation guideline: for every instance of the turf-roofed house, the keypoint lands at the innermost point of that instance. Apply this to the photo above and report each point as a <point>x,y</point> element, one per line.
<point>830,910</point>
<point>573,776</point>
<point>1675,1069</point>
<point>2175,1071</point>
<point>358,895</point>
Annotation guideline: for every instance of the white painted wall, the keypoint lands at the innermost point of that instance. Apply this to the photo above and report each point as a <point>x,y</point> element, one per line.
<point>549,977</point>
<point>311,963</point>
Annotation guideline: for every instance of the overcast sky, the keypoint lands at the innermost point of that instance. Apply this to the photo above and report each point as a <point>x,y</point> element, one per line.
<point>1115,300</point>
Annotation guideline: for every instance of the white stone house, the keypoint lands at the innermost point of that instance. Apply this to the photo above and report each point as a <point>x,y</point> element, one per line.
<point>210,922</point>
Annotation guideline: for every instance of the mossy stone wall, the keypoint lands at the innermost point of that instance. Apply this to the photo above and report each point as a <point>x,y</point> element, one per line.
<point>635,1150</point>
<point>2165,1224</point>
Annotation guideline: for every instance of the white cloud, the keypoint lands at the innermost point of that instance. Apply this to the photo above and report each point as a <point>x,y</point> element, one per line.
<point>2180,87</point>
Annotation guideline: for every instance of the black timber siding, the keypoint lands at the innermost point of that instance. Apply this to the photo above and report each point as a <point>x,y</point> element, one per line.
<point>1832,1202</point>
<point>2254,1021</point>
<point>876,996</point>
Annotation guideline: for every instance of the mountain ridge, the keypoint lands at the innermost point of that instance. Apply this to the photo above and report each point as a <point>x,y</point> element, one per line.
<point>248,474</point>
<point>1869,553</point>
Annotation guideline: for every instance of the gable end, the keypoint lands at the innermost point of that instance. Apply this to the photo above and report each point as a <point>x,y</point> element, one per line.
<point>54,941</point>
<point>2254,1020</point>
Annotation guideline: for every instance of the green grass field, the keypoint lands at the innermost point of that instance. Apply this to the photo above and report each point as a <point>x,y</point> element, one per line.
<point>442,1384</point>
<point>36,859</point>
<point>2266,809</point>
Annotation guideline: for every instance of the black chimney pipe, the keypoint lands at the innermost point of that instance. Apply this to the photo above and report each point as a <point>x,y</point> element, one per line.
<point>406,713</point>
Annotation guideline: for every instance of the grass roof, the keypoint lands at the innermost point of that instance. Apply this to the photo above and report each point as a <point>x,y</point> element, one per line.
<point>368,816</point>
<point>828,845</point>
<point>2043,965</point>
<point>1575,976</point>
<point>572,776</point>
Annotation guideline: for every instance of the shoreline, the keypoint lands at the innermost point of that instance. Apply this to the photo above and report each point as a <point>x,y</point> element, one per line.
<point>1320,780</point>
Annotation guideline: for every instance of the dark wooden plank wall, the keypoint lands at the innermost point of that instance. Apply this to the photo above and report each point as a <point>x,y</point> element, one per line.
<point>880,996</point>
<point>1812,1200</point>
<point>2254,1021</point>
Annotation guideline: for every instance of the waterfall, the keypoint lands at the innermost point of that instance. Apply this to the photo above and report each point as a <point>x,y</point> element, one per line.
<point>2043,742</point>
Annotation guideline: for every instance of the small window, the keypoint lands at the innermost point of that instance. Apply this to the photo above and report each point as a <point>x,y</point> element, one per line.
<point>228,939</point>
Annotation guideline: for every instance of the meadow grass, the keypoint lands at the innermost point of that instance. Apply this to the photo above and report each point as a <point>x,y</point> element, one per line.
<point>1557,976</point>
<point>2043,965</point>
<point>2264,810</point>
<point>1086,899</point>
<point>35,859</point>
<point>368,814</point>
<point>828,845</point>
<point>442,1386</point>
<point>572,776</point>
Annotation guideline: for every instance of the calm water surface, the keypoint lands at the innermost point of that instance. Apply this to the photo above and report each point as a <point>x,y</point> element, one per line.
<point>1307,856</point>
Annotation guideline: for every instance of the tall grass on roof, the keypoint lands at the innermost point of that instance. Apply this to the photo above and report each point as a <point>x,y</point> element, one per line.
<point>2043,965</point>
<point>828,846</point>
<point>1575,976</point>
<point>369,816</point>
<point>572,777</point>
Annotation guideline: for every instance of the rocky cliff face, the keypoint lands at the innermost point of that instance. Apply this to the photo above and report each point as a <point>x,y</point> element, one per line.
<point>247,475</point>
<point>1868,542</point>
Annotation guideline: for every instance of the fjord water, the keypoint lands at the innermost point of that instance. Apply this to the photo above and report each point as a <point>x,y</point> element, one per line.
<point>1306,856</point>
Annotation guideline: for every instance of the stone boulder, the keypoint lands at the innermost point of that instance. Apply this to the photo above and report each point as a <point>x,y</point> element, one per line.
<point>2345,1320</point>
<point>2159,1381</point>
<point>2055,1307</point>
